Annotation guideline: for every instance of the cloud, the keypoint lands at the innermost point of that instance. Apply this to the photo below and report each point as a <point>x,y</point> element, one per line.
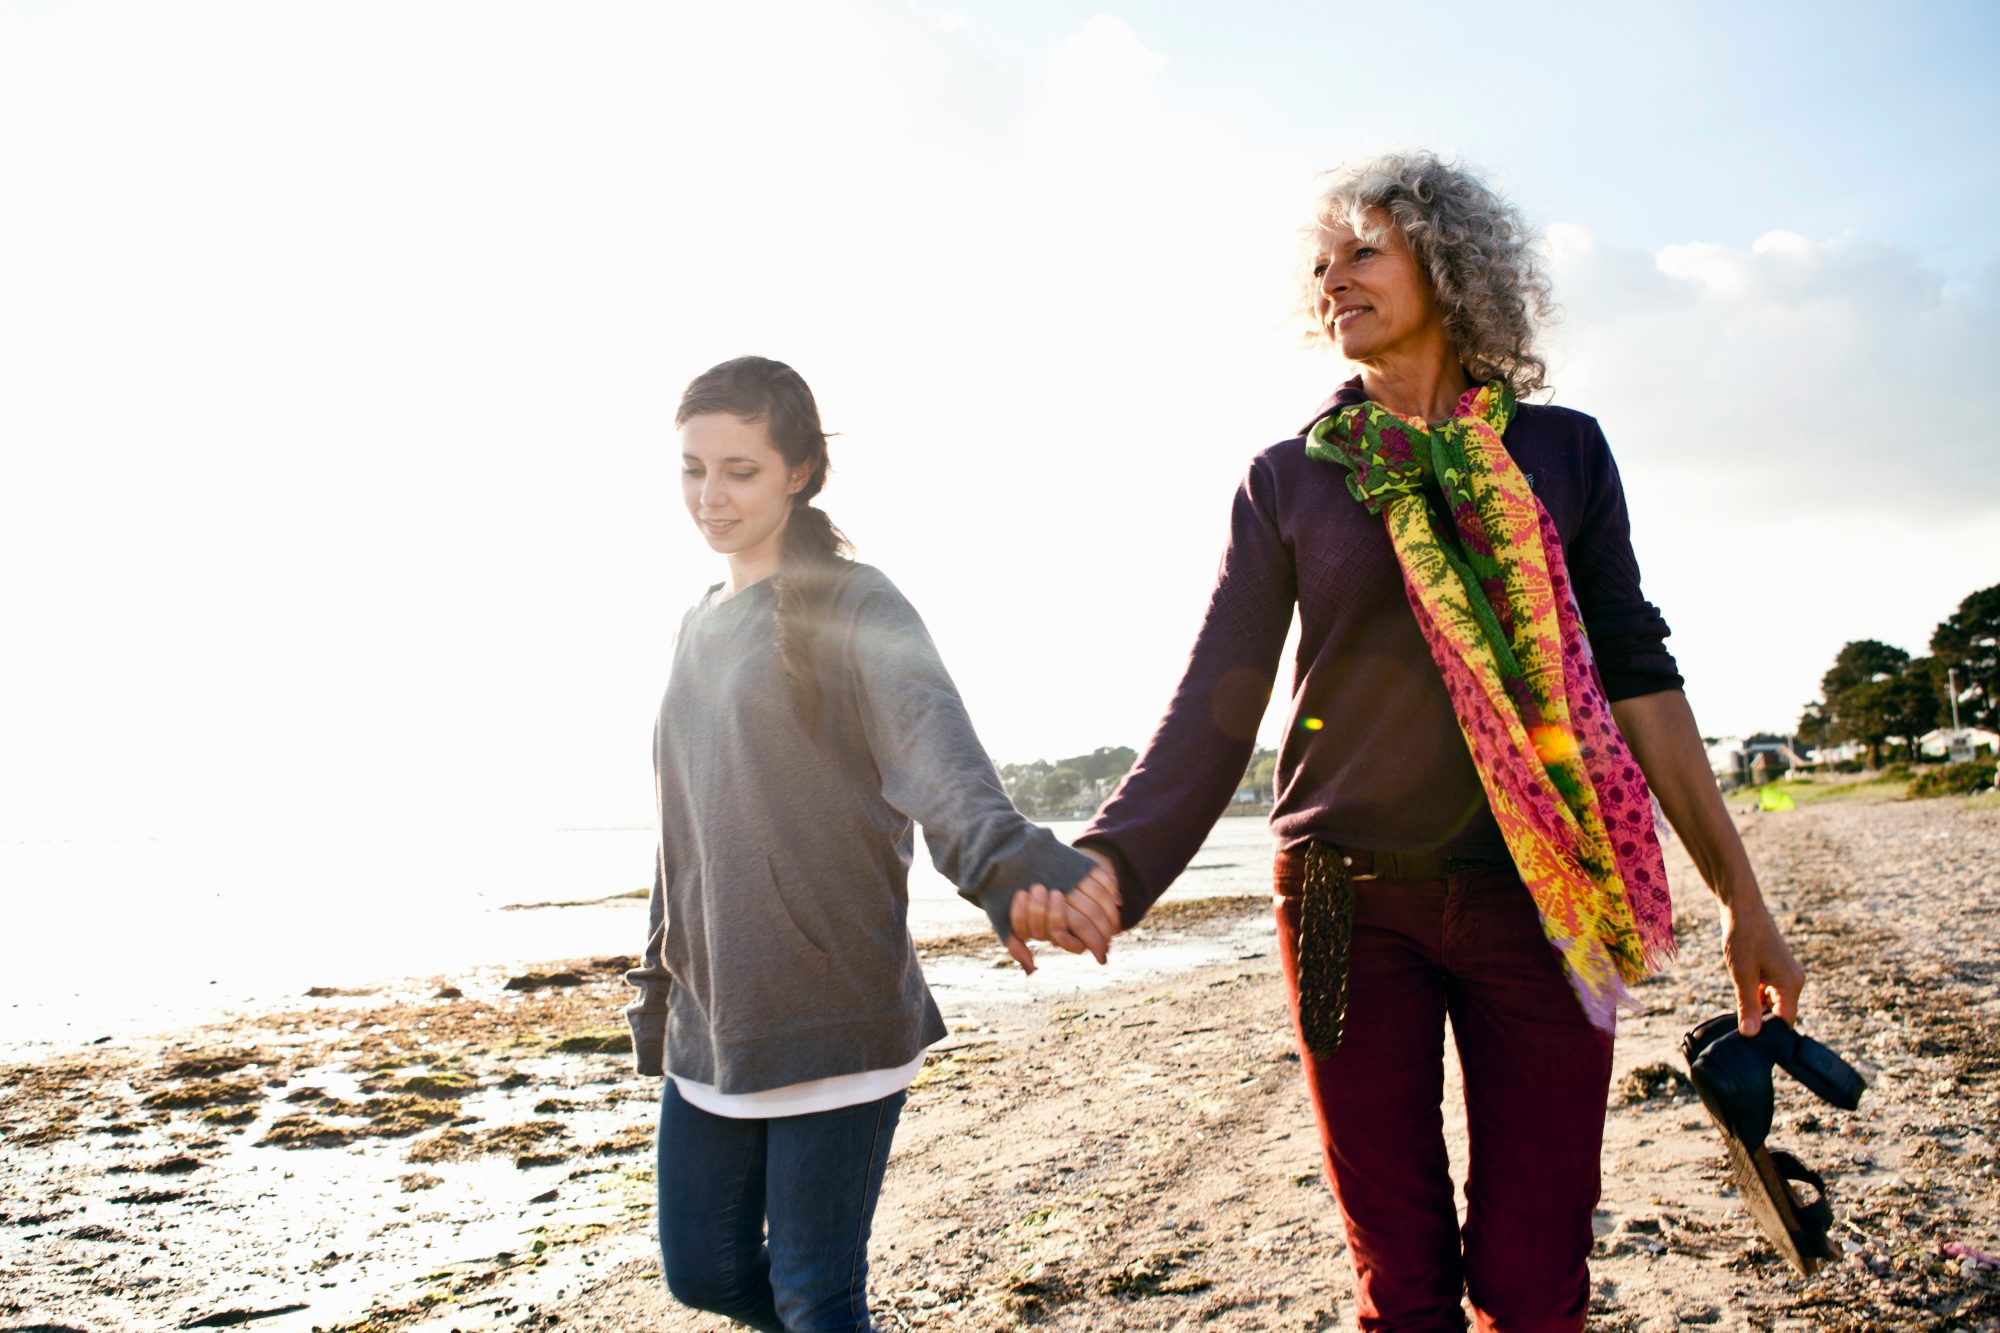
<point>1799,424</point>
<point>1103,73</point>
<point>1836,374</point>
<point>1784,272</point>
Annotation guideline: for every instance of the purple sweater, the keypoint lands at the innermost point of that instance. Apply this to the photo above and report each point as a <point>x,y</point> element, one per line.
<point>1371,756</point>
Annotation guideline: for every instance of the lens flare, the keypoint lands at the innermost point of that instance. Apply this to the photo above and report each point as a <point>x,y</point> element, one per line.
<point>1553,744</point>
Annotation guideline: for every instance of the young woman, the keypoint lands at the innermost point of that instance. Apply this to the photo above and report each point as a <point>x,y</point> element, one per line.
<point>807,722</point>
<point>1461,799</point>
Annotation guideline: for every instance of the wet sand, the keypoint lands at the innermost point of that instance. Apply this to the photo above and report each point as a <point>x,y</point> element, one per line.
<point>472,1153</point>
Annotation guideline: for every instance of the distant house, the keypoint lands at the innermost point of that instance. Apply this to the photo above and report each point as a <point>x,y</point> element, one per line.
<point>1937,743</point>
<point>1725,757</point>
<point>1738,760</point>
<point>1795,757</point>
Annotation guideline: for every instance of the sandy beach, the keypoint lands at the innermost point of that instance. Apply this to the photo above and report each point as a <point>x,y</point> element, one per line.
<point>471,1152</point>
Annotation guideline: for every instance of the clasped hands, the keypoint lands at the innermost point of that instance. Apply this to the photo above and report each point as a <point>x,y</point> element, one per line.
<point>1082,920</point>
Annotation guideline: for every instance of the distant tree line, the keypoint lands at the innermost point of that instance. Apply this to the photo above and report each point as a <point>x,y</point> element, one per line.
<point>1073,788</point>
<point>1051,788</point>
<point>1875,693</point>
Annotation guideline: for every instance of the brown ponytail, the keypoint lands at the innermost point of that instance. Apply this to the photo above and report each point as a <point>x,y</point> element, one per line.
<point>815,554</point>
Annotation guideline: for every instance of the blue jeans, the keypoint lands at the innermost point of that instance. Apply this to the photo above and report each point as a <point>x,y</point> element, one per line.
<point>813,1178</point>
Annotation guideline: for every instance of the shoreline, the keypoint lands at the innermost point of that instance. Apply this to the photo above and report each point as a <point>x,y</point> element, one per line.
<point>1124,1154</point>
<point>204,950</point>
<point>936,940</point>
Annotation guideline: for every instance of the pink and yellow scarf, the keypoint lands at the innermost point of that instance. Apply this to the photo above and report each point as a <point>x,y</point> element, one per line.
<point>1483,567</point>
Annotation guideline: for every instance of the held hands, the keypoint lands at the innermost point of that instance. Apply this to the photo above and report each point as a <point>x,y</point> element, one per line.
<point>1761,966</point>
<point>1083,919</point>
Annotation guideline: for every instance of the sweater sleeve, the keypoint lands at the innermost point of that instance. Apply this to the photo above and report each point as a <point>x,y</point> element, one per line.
<point>647,1014</point>
<point>1627,632</point>
<point>1157,819</point>
<point>935,771</point>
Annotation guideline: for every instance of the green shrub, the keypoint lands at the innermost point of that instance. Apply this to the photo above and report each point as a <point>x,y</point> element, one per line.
<point>1893,773</point>
<point>1953,779</point>
<point>1848,766</point>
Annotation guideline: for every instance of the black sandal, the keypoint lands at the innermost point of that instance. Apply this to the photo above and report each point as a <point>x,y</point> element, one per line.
<point>1732,1074</point>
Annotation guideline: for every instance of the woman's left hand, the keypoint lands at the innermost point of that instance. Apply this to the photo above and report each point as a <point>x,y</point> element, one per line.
<point>1761,966</point>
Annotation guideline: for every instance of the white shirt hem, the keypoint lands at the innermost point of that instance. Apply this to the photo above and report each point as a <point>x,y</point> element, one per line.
<point>820,1094</point>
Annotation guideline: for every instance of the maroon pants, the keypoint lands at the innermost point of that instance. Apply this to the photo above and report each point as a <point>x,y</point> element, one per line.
<point>1536,1077</point>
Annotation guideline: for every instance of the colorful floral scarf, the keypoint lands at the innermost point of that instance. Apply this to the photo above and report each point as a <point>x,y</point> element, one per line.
<point>1484,570</point>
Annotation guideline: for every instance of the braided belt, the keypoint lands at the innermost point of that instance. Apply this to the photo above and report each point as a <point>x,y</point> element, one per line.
<point>1326,926</point>
<point>1326,932</point>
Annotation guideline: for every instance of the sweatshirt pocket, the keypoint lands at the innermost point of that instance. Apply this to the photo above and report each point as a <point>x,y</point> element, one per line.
<point>769,975</point>
<point>808,942</point>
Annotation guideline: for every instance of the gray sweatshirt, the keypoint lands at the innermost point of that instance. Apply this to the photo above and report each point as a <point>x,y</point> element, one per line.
<point>780,948</point>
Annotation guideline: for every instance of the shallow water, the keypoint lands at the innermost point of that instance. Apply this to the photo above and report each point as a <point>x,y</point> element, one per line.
<point>331,1230</point>
<point>112,937</point>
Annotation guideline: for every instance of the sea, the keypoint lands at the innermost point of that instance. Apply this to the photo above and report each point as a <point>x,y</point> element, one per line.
<point>108,938</point>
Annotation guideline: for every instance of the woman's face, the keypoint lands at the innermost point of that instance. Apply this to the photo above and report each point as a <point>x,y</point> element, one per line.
<point>736,485</point>
<point>1372,299</point>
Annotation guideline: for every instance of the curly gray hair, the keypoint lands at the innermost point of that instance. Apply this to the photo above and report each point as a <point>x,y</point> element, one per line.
<point>1485,274</point>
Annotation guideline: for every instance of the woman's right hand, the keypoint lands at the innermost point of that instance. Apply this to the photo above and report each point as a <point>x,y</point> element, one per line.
<point>1084,919</point>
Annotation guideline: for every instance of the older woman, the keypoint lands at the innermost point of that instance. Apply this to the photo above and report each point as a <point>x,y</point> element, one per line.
<point>1480,704</point>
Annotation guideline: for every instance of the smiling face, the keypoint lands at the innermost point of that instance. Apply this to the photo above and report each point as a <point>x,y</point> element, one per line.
<point>738,490</point>
<point>1371,297</point>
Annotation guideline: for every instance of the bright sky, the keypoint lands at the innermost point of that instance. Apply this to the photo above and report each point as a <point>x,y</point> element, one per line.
<point>339,346</point>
